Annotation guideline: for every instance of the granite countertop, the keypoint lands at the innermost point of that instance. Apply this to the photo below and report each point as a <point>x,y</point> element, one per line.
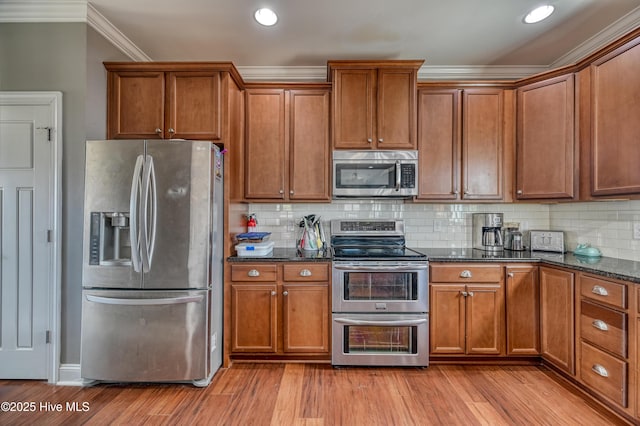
<point>627,270</point>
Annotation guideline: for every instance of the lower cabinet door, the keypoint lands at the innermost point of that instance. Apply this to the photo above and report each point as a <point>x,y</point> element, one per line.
<point>306,317</point>
<point>447,312</point>
<point>254,318</point>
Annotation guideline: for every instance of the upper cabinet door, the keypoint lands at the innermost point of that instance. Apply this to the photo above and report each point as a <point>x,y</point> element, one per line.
<point>193,105</point>
<point>482,144</point>
<point>309,155</point>
<point>439,144</point>
<point>545,144</point>
<point>374,104</point>
<point>136,105</point>
<point>354,109</point>
<point>615,151</point>
<point>265,144</point>
<point>396,113</point>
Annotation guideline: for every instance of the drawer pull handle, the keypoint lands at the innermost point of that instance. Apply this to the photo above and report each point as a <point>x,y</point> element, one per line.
<point>599,290</point>
<point>600,325</point>
<point>253,273</point>
<point>305,273</point>
<point>465,274</point>
<point>600,370</point>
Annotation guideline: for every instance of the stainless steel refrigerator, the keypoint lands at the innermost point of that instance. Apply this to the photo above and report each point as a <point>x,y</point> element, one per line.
<point>153,261</point>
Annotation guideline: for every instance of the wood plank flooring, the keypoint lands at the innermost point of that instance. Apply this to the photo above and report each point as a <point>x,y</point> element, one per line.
<point>310,394</point>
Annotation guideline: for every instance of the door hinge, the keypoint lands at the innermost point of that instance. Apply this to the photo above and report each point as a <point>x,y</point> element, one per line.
<point>48,129</point>
<point>49,235</point>
<point>47,336</point>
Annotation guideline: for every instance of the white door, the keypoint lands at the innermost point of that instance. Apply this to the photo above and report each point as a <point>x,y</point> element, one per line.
<point>26,225</point>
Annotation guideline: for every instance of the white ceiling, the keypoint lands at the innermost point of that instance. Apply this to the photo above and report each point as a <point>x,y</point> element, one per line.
<point>446,33</point>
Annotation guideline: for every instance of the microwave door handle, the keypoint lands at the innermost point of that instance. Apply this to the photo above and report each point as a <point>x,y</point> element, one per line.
<point>398,176</point>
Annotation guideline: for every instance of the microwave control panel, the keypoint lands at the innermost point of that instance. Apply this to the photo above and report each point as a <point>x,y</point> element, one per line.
<point>408,175</point>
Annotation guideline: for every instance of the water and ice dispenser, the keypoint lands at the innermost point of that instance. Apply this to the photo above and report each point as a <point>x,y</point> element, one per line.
<point>109,243</point>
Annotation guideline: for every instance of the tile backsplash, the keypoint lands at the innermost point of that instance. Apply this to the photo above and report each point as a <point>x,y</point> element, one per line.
<point>606,225</point>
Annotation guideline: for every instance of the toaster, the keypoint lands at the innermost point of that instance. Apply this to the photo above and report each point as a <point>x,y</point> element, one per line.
<point>547,241</point>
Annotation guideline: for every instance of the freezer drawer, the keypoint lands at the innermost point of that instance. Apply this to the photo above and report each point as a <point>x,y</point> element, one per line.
<point>145,336</point>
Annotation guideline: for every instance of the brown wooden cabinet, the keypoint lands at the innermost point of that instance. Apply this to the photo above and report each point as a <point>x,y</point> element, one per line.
<point>165,101</point>
<point>374,104</point>
<point>461,143</point>
<point>287,145</point>
<point>523,310</point>
<point>545,141</point>
<point>557,317</point>
<point>602,330</point>
<point>280,309</point>
<point>466,310</point>
<point>615,151</point>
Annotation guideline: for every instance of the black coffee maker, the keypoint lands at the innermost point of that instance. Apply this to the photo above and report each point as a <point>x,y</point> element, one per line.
<point>487,232</point>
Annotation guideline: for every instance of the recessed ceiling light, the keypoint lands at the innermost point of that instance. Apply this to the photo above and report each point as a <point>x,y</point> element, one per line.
<point>538,14</point>
<point>266,17</point>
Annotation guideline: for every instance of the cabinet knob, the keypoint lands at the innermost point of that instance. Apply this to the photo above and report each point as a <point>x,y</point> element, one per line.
<point>465,274</point>
<point>380,140</point>
<point>284,293</point>
<point>510,274</point>
<point>291,192</point>
<point>158,130</point>
<point>600,370</point>
<point>464,293</point>
<point>466,192</point>
<point>599,290</point>
<point>470,294</point>
<point>519,192</point>
<point>455,192</point>
<point>305,273</point>
<point>253,273</point>
<point>171,131</point>
<point>281,191</point>
<point>600,325</point>
<point>273,292</point>
<point>370,140</point>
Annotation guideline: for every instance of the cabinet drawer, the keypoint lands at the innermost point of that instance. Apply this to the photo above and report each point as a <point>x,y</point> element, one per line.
<point>306,272</point>
<point>604,327</point>
<point>465,273</point>
<point>253,272</point>
<point>604,374</point>
<point>608,292</point>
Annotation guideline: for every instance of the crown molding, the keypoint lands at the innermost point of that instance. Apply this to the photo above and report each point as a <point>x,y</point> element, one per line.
<point>105,28</point>
<point>43,11</point>
<point>622,26</point>
<point>479,72</point>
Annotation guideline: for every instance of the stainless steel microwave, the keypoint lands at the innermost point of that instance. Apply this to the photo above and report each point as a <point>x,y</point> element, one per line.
<point>375,173</point>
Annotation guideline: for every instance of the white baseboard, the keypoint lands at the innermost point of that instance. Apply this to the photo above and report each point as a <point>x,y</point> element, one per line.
<point>69,375</point>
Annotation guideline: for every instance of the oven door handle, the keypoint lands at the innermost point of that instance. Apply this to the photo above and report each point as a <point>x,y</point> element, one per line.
<point>400,323</point>
<point>381,268</point>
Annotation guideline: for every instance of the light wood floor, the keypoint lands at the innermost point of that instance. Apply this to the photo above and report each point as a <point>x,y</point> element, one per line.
<point>308,394</point>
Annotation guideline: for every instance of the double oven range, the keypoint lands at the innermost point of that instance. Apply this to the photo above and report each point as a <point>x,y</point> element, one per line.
<point>380,296</point>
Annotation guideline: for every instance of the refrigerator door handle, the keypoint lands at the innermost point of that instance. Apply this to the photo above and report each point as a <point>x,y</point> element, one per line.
<point>149,214</point>
<point>145,302</point>
<point>134,217</point>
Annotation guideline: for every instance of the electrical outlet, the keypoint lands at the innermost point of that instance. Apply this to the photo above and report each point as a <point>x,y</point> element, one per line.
<point>636,230</point>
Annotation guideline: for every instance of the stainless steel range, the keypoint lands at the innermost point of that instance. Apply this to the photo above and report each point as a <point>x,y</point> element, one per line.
<point>380,298</point>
